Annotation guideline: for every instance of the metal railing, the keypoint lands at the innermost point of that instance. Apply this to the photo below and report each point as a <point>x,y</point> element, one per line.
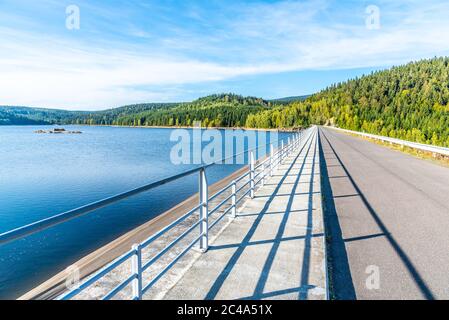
<point>415,145</point>
<point>256,175</point>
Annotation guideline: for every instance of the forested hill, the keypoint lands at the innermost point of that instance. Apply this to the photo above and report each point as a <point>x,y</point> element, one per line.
<point>290,99</point>
<point>409,102</point>
<point>224,110</point>
<point>114,116</point>
<point>33,116</point>
<point>39,116</point>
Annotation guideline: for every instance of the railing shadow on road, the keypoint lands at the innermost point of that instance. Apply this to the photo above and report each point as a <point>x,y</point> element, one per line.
<point>259,242</point>
<point>338,242</point>
<point>259,290</point>
<point>246,242</point>
<point>347,196</point>
<point>273,294</point>
<point>371,236</point>
<point>270,213</point>
<point>286,184</point>
<point>288,194</point>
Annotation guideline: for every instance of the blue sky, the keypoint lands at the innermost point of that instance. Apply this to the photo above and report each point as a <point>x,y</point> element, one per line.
<point>178,50</point>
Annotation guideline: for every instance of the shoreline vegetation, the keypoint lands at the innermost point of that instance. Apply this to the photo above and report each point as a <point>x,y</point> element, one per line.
<point>64,131</point>
<point>409,102</point>
<point>202,128</point>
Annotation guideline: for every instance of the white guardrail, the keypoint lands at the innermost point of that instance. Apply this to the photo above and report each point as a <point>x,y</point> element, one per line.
<point>414,145</point>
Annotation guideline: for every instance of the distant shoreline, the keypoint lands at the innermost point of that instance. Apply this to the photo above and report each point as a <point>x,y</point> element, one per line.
<point>160,127</point>
<point>187,127</point>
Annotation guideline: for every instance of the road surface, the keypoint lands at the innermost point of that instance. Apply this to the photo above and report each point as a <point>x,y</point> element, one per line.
<point>388,218</point>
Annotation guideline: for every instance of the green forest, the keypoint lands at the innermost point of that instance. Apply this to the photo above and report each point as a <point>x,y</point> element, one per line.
<point>409,102</point>
<point>225,110</point>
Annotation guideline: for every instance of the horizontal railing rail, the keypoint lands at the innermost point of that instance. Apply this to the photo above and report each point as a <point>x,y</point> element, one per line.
<point>257,169</point>
<point>414,145</point>
<point>44,224</point>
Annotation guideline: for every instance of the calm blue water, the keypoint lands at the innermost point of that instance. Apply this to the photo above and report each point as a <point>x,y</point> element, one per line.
<point>42,175</point>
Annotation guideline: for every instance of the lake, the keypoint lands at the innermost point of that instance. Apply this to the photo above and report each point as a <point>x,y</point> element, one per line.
<point>45,174</point>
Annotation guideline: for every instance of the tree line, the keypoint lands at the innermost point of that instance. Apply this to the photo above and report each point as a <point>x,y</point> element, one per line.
<point>407,102</point>
<point>224,110</point>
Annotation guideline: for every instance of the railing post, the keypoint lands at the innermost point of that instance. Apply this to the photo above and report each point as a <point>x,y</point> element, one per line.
<point>204,225</point>
<point>234,199</point>
<point>289,146</point>
<point>282,150</point>
<point>136,269</point>
<point>252,173</point>
<point>271,159</point>
<point>263,174</point>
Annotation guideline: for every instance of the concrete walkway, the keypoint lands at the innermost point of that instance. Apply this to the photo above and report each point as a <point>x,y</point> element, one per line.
<point>275,248</point>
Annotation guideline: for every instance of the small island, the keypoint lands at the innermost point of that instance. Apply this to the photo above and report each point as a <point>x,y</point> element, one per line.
<point>57,131</point>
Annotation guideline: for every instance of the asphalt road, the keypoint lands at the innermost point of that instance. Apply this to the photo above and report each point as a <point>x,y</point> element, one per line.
<point>388,218</point>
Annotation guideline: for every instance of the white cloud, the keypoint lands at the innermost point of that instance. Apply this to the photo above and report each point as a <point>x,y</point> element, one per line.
<point>262,38</point>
